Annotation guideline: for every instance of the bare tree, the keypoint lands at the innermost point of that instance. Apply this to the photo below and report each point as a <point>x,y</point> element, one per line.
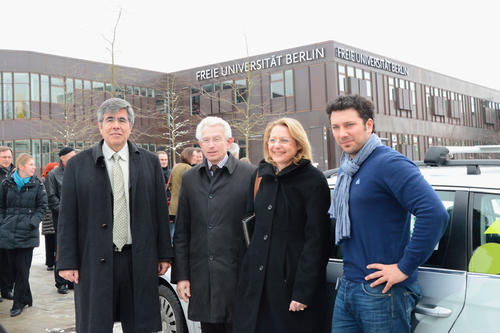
<point>171,122</point>
<point>111,49</point>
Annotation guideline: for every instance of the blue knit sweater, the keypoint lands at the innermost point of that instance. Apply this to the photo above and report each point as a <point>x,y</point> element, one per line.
<point>385,190</point>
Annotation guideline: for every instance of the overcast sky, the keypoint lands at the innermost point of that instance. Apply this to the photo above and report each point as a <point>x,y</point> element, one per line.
<point>456,38</point>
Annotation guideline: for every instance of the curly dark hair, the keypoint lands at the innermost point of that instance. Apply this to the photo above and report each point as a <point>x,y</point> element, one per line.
<point>362,105</point>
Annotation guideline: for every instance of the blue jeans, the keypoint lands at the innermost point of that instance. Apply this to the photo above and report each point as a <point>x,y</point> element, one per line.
<point>361,308</point>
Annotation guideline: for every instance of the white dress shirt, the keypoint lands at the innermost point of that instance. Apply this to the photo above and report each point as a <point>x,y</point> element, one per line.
<point>124,164</point>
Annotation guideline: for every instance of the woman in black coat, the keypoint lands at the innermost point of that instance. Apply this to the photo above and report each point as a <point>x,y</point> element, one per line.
<point>282,283</point>
<point>23,203</point>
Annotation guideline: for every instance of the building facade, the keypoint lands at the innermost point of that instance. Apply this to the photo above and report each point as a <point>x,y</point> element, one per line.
<point>48,101</point>
<point>415,108</point>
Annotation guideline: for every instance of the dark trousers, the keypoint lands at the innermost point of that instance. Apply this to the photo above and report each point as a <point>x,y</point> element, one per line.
<point>21,258</point>
<point>50,249</point>
<point>216,328</point>
<point>6,272</point>
<point>123,295</point>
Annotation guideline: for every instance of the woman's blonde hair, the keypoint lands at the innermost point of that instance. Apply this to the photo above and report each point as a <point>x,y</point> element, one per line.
<point>298,134</point>
<point>22,159</point>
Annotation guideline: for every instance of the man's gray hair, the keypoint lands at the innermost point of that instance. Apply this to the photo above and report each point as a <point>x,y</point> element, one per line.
<point>212,121</point>
<point>113,105</point>
<point>234,149</point>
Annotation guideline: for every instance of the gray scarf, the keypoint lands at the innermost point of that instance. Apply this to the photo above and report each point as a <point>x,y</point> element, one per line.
<point>339,209</point>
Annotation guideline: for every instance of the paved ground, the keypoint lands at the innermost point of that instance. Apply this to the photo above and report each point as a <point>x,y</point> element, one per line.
<point>51,312</point>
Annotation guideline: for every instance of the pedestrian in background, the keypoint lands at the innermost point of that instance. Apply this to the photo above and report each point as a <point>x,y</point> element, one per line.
<point>197,156</point>
<point>23,204</point>
<point>48,230</point>
<point>54,192</point>
<point>187,158</point>
<point>235,150</point>
<point>282,284</point>
<point>6,267</point>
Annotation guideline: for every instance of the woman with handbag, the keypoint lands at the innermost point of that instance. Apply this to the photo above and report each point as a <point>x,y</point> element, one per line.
<point>23,203</point>
<point>282,283</point>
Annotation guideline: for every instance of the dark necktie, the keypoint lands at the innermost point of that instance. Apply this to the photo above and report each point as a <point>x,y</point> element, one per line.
<point>213,168</point>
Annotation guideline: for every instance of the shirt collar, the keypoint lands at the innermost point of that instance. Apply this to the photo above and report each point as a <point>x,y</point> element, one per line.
<point>220,164</point>
<point>108,152</point>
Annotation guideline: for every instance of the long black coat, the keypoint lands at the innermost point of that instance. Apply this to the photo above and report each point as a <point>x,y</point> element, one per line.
<point>208,237</point>
<point>85,237</point>
<point>288,253</point>
<point>21,213</point>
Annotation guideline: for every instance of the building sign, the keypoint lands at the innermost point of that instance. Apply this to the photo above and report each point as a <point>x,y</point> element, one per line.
<point>368,60</point>
<point>260,64</point>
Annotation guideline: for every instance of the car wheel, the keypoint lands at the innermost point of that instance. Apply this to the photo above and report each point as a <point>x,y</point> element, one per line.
<point>172,316</point>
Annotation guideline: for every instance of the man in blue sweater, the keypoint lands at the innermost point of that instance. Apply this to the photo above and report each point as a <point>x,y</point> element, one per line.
<point>377,189</point>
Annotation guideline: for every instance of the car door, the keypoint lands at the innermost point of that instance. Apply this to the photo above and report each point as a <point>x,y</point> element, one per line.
<point>443,277</point>
<point>482,306</point>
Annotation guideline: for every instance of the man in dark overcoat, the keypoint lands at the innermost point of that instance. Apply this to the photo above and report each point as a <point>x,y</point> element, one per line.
<point>6,267</point>
<point>208,234</point>
<point>113,236</point>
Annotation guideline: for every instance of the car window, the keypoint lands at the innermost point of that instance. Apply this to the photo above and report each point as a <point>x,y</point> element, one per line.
<point>437,258</point>
<point>485,234</point>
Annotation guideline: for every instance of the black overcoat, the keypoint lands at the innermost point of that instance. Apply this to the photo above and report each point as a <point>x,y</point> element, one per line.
<point>21,213</point>
<point>85,237</point>
<point>208,237</point>
<point>288,253</point>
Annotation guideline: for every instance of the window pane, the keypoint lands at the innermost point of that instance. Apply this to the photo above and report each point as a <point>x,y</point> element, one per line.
<point>240,93</point>
<point>341,82</point>
<point>21,92</point>
<point>137,91</point>
<point>45,152</point>
<point>36,153</point>
<point>109,87</point>
<point>78,84</point>
<point>277,89</point>
<point>21,78</point>
<point>143,92</point>
<point>195,104</point>
<point>57,95</point>
<point>277,76</point>
<point>359,73</point>
<point>129,90</point>
<point>350,71</point>
<point>8,110</point>
<point>7,91</point>
<point>35,87</point>
<point>45,88</point>
<point>151,93</point>
<point>69,90</point>
<point>485,234</point>
<point>86,85</point>
<point>341,69</point>
<point>289,83</point>
<point>22,110</point>
<point>56,81</point>
<point>99,86</point>
<point>227,85</point>
<point>7,78</point>
<point>207,88</point>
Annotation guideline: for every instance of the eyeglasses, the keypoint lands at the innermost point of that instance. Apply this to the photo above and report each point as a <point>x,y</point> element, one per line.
<point>281,141</point>
<point>206,141</point>
<point>112,120</point>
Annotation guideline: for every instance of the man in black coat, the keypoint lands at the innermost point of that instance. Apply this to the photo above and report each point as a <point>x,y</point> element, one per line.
<point>6,267</point>
<point>208,234</point>
<point>54,189</point>
<point>113,236</point>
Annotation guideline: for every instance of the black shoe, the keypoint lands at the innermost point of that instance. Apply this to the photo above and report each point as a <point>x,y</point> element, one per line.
<point>8,295</point>
<point>62,289</point>
<point>16,311</point>
<point>50,268</point>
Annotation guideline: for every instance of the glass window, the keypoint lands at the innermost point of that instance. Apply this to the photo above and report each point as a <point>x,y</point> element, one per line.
<point>391,89</point>
<point>195,101</point>
<point>207,88</point>
<point>7,96</point>
<point>160,106</point>
<point>21,146</point>
<point>227,85</point>
<point>69,91</point>
<point>367,78</point>
<point>78,84</point>
<point>350,71</point>
<point>45,88</point>
<point>35,87</point>
<point>109,87</point>
<point>45,152</point>
<point>359,73</point>
<point>99,86</point>
<point>86,85</point>
<point>289,83</point>
<point>473,104</point>
<point>341,69</point>
<point>342,78</point>
<point>486,234</point>
<point>143,92</point>
<point>22,109</point>
<point>158,93</point>
<point>151,92</point>
<point>240,91</point>
<point>57,90</point>
<point>130,90</point>
<point>277,88</point>
<point>36,153</point>
<point>438,256</point>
